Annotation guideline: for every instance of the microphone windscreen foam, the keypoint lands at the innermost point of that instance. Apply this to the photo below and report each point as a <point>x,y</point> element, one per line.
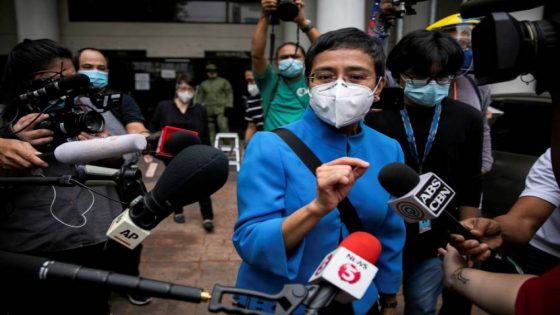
<point>364,245</point>
<point>180,140</point>
<point>197,171</point>
<point>398,179</point>
<point>98,149</point>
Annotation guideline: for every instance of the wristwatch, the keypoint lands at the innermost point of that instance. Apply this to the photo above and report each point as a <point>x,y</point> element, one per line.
<point>307,27</point>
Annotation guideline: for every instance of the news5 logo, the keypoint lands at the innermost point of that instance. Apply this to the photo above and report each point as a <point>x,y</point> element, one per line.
<point>349,273</point>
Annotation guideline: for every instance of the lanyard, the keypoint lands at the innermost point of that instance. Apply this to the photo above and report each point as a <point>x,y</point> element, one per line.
<point>412,140</point>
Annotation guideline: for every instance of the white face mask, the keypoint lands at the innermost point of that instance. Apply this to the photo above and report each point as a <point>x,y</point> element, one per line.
<point>185,96</point>
<point>340,103</point>
<point>253,89</point>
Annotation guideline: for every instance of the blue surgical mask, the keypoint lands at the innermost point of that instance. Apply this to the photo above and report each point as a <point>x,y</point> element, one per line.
<point>290,68</point>
<point>98,79</point>
<point>427,95</point>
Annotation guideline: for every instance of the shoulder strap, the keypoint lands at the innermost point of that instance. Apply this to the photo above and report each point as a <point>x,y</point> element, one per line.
<point>347,211</point>
<point>477,90</point>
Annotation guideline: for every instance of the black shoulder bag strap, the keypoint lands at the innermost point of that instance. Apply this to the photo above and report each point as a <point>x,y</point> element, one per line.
<point>348,214</point>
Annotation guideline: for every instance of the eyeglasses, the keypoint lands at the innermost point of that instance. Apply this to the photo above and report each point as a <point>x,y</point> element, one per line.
<point>356,77</point>
<point>422,81</point>
<point>49,75</point>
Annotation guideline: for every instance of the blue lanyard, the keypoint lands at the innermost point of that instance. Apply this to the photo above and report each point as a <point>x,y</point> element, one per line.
<point>412,140</point>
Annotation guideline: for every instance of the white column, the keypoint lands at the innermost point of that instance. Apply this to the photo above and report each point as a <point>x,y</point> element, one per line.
<point>37,19</point>
<point>336,14</point>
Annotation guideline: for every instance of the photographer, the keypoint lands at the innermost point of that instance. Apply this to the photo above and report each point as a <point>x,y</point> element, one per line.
<point>67,224</point>
<point>284,93</point>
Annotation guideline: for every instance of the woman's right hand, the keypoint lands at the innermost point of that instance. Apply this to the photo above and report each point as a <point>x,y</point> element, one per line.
<point>16,155</point>
<point>25,129</point>
<point>334,181</point>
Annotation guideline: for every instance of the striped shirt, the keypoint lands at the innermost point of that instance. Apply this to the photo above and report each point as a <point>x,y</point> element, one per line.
<point>253,111</point>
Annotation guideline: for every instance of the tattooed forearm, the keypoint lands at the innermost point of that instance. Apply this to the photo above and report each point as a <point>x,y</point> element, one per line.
<point>458,275</point>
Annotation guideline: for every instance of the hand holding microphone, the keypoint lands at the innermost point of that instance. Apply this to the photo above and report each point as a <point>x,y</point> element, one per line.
<point>487,233</point>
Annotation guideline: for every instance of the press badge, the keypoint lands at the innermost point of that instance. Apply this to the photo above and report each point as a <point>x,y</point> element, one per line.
<point>424,226</point>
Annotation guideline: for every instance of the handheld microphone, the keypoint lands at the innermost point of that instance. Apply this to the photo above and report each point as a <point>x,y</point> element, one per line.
<point>425,197</point>
<point>197,171</point>
<point>417,198</point>
<point>79,152</point>
<point>58,88</point>
<point>346,273</point>
<point>178,141</point>
<point>49,270</point>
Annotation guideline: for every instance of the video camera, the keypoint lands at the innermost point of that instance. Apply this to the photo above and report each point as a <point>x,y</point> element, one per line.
<point>504,48</point>
<point>69,115</point>
<point>406,7</point>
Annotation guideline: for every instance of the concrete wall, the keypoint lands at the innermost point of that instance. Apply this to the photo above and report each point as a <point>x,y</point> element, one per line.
<point>158,39</point>
<point>8,28</point>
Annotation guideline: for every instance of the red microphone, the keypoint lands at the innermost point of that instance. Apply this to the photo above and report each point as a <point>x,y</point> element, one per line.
<point>346,273</point>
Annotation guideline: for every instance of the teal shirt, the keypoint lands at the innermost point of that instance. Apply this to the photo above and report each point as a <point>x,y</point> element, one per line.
<point>283,102</point>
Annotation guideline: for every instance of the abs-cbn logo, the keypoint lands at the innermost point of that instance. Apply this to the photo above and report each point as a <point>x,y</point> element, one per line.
<point>435,194</point>
<point>349,273</point>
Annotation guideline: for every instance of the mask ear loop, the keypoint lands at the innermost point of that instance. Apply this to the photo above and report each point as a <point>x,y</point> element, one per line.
<point>376,96</point>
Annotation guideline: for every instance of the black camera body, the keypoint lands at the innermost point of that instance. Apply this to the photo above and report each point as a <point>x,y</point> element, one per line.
<point>69,114</point>
<point>504,48</point>
<point>286,10</point>
<point>70,121</point>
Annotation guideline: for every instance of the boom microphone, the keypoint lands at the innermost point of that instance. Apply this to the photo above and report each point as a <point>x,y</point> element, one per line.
<point>197,171</point>
<point>58,88</point>
<point>77,152</point>
<point>346,273</point>
<point>48,270</point>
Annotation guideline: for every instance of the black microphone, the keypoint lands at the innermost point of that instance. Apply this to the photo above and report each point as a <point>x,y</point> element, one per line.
<point>48,270</point>
<point>426,197</point>
<point>178,141</point>
<point>197,171</point>
<point>58,88</point>
<point>418,198</point>
<point>478,8</point>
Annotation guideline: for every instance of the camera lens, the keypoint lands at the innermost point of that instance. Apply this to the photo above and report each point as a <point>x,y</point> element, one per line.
<point>91,122</point>
<point>287,10</point>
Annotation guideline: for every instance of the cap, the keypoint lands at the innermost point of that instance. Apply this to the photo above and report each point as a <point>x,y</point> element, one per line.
<point>452,20</point>
<point>211,67</point>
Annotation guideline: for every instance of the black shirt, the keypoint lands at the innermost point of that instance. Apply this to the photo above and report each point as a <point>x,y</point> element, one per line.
<point>128,111</point>
<point>195,118</point>
<point>253,111</point>
<point>455,157</point>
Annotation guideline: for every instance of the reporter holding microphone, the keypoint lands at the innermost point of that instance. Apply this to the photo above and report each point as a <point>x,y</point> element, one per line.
<point>61,223</point>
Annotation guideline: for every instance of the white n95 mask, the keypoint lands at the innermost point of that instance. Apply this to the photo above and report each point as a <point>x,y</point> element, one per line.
<point>339,103</point>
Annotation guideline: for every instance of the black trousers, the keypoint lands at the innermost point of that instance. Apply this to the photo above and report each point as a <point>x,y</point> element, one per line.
<point>206,211</point>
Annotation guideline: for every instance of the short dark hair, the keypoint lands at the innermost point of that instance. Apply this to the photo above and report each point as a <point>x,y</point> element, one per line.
<point>350,38</point>
<point>24,60</point>
<point>183,77</point>
<point>76,59</point>
<point>417,51</point>
<point>286,44</point>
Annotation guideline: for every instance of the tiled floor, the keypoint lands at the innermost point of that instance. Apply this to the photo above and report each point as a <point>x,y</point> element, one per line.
<point>185,254</point>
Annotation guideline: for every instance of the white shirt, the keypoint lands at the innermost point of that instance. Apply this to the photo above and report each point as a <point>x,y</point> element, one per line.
<point>541,183</point>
